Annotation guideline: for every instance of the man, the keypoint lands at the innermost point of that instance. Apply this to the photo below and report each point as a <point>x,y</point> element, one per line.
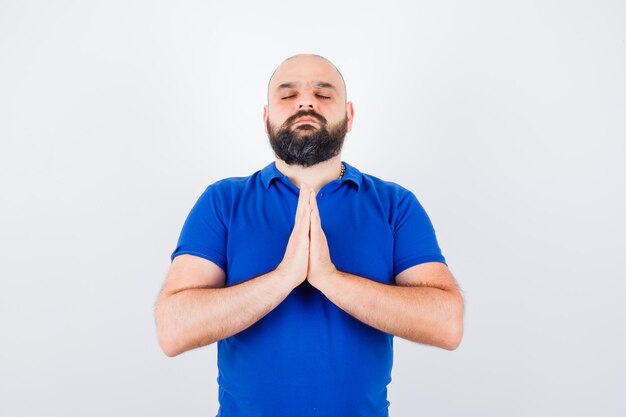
<point>304,271</point>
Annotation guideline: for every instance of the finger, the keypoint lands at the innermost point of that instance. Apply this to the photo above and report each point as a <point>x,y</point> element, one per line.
<point>316,225</point>
<point>315,214</point>
<point>303,218</point>
<point>302,203</point>
<point>302,196</point>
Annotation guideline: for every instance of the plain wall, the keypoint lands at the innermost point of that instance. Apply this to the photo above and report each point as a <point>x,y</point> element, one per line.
<point>505,118</point>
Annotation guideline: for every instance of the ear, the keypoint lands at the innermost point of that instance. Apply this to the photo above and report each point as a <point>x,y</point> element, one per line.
<point>349,114</point>
<point>265,116</point>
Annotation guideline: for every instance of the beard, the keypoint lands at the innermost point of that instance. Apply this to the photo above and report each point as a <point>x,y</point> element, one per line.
<point>305,144</point>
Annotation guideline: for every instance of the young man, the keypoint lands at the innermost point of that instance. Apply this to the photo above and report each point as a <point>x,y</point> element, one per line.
<point>304,271</point>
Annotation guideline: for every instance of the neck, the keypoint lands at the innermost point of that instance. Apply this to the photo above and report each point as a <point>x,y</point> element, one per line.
<point>315,176</point>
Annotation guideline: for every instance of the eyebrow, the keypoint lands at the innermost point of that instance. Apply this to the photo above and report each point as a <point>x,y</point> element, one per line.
<point>316,84</point>
<point>322,84</point>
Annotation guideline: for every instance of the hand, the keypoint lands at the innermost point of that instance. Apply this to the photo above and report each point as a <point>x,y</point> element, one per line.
<point>295,262</point>
<point>320,265</point>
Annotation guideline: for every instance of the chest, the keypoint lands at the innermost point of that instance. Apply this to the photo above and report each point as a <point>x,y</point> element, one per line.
<point>359,236</point>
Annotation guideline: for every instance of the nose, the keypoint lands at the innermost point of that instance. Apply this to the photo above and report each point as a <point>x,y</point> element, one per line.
<point>305,101</point>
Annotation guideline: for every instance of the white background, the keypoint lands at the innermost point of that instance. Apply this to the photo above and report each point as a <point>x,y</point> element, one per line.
<point>506,119</point>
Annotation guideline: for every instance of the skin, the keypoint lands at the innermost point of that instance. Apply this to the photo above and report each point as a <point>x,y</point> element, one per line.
<point>308,82</point>
<point>196,309</point>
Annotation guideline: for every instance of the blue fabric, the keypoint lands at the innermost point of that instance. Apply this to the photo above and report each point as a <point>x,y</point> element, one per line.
<point>307,357</point>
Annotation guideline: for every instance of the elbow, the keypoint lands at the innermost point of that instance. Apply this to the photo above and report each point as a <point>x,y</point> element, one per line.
<point>169,351</point>
<point>455,328</point>
<point>172,346</point>
<point>169,346</point>
<point>168,342</point>
<point>453,340</point>
<point>172,341</point>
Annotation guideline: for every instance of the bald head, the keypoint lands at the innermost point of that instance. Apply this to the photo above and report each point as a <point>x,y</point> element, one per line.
<point>314,67</point>
<point>307,85</point>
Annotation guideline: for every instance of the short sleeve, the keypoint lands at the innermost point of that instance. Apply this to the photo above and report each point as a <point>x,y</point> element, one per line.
<point>204,233</point>
<point>414,236</point>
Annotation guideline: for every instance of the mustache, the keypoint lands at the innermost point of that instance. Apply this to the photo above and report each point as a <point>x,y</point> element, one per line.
<point>307,113</point>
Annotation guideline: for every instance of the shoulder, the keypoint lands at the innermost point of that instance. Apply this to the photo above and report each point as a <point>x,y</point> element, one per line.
<point>233,186</point>
<point>225,194</point>
<point>383,189</point>
<point>394,200</point>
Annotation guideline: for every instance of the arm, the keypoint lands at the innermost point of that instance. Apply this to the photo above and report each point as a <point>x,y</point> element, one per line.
<point>425,306</point>
<point>195,309</point>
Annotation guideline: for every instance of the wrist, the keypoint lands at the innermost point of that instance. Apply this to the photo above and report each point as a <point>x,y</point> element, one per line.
<point>285,278</point>
<point>322,280</point>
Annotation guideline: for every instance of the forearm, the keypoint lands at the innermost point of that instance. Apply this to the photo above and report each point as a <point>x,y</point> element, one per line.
<point>421,314</point>
<point>197,317</point>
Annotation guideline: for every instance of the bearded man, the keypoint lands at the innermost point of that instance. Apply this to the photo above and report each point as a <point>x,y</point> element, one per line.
<point>304,271</point>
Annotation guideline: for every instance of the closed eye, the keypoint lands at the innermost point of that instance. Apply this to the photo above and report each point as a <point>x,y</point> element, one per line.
<point>323,97</point>
<point>285,98</point>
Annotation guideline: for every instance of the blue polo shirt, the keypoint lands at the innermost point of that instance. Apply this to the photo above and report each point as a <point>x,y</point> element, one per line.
<point>307,357</point>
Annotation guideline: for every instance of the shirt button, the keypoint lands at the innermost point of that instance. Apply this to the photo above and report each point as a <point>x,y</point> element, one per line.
<point>321,194</point>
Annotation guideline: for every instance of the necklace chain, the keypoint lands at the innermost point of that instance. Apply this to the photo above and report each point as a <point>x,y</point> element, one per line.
<point>343,170</point>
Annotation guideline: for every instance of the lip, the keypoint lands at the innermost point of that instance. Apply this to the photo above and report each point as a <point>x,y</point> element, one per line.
<point>305,120</point>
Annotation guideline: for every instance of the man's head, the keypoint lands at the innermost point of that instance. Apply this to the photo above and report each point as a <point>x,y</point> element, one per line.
<point>307,115</point>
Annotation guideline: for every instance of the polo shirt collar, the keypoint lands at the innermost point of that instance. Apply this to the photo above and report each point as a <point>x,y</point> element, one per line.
<point>352,174</point>
<point>270,172</point>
